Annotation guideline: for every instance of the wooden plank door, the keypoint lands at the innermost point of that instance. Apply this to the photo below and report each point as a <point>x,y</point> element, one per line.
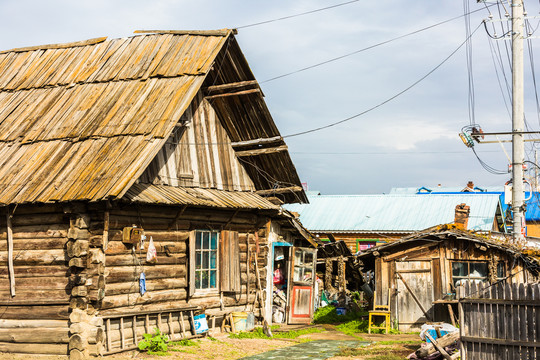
<point>414,294</point>
<point>301,285</point>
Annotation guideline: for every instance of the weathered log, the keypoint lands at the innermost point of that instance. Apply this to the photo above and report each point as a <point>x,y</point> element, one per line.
<point>130,273</point>
<point>34,312</point>
<point>96,294</point>
<point>36,231</point>
<point>38,271</point>
<point>96,256</point>
<point>27,348</point>
<point>135,299</point>
<point>151,285</point>
<point>78,341</point>
<point>96,282</point>
<point>39,219</point>
<point>35,257</point>
<point>79,291</point>
<point>36,283</point>
<point>119,248</point>
<point>444,341</point>
<point>32,324</point>
<point>77,248</point>
<point>35,244</point>
<point>35,335</point>
<point>77,262</point>
<point>31,296</point>
<point>131,260</point>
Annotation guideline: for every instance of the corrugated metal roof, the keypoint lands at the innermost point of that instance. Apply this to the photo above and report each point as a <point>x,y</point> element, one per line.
<point>443,189</point>
<point>170,195</point>
<point>393,213</point>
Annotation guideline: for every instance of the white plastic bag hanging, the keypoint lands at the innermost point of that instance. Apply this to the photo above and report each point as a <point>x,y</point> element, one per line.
<point>151,254</point>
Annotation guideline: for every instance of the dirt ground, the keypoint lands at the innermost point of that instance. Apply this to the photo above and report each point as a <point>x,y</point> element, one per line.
<point>224,348</point>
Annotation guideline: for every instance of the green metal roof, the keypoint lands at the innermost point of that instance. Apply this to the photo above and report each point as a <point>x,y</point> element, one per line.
<point>397,213</point>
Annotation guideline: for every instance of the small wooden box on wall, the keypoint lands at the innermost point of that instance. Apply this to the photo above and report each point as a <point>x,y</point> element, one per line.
<point>132,235</point>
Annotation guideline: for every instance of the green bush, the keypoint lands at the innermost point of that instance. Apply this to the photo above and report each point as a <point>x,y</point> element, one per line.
<point>155,344</point>
<point>328,315</point>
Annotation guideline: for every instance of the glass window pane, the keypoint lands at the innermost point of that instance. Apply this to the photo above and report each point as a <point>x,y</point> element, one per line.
<point>308,258</point>
<point>213,240</point>
<point>298,274</point>
<point>197,279</point>
<point>204,282</point>
<point>501,271</point>
<point>213,256</point>
<point>206,240</point>
<point>205,258</point>
<point>298,258</point>
<point>478,270</point>
<point>198,260</point>
<point>213,276</point>
<point>459,269</point>
<point>198,240</point>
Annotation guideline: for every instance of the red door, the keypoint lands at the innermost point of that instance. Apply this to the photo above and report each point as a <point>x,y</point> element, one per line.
<point>301,286</point>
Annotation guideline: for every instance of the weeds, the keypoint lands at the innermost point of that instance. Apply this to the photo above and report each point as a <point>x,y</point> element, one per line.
<point>155,344</point>
<point>258,333</point>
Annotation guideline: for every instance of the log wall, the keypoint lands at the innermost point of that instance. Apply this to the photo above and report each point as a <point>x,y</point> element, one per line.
<point>35,320</point>
<point>167,278</point>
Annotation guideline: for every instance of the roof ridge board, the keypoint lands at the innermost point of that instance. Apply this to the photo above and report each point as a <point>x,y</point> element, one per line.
<point>57,46</point>
<point>220,32</point>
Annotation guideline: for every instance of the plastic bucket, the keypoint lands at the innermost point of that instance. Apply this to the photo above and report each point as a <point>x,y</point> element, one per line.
<point>250,323</point>
<point>341,311</point>
<point>240,321</point>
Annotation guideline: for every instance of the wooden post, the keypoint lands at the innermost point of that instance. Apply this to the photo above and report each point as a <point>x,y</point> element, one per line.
<point>11,270</point>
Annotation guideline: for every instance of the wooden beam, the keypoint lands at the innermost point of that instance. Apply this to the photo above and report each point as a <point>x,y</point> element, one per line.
<point>232,86</point>
<point>262,151</point>
<point>57,46</point>
<point>255,142</point>
<point>11,270</point>
<point>237,93</point>
<point>223,32</point>
<point>279,190</point>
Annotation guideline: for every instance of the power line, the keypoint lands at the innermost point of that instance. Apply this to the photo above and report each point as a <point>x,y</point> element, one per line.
<point>296,15</point>
<point>387,152</point>
<point>369,47</point>
<point>389,99</point>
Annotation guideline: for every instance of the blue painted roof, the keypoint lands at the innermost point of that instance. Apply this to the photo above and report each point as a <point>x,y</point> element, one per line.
<point>533,204</point>
<point>393,212</point>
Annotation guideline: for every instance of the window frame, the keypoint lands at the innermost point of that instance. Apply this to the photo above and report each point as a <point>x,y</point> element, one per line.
<point>193,290</point>
<point>468,276</point>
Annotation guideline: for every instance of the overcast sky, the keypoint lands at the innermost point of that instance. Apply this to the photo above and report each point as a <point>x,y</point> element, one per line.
<point>411,141</point>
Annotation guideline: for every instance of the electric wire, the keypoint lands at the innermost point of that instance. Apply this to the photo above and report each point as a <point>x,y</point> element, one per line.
<point>368,48</point>
<point>389,99</point>
<point>296,15</point>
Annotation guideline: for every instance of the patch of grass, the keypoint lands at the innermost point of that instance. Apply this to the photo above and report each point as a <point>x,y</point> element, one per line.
<point>258,333</point>
<point>328,315</point>
<point>185,342</point>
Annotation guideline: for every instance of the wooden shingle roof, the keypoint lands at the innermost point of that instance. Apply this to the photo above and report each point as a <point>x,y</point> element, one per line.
<point>81,121</point>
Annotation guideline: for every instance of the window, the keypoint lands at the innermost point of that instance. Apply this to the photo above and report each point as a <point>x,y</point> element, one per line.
<point>364,244</point>
<point>465,270</point>
<point>206,265</point>
<point>214,262</point>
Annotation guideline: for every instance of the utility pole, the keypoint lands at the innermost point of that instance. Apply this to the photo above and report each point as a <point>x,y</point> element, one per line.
<point>518,148</point>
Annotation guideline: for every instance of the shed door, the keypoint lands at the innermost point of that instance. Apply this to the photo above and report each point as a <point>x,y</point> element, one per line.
<point>302,285</point>
<point>418,279</point>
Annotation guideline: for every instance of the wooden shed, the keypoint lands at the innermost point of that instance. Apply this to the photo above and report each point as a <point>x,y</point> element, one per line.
<point>110,145</point>
<point>418,274</point>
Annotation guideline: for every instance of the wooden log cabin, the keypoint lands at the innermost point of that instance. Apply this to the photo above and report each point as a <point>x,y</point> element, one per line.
<point>418,275</point>
<point>108,145</point>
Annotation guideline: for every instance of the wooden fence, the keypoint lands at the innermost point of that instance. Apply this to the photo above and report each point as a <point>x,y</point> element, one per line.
<point>500,321</point>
